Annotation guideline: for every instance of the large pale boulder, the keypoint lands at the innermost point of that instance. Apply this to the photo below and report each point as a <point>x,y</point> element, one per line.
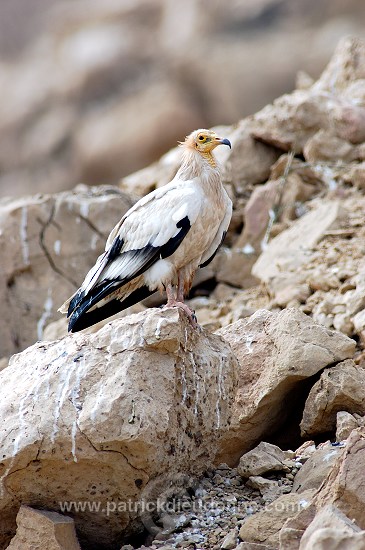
<point>340,388</point>
<point>332,530</point>
<point>40,530</point>
<point>264,527</point>
<point>95,418</point>
<point>48,243</point>
<point>276,352</point>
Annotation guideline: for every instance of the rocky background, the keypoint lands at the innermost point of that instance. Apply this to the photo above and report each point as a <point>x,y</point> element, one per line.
<point>142,432</point>
<point>87,86</point>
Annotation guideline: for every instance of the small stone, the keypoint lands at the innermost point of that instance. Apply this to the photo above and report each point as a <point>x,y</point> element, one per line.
<point>263,458</point>
<point>230,540</point>
<point>218,479</point>
<point>289,455</point>
<point>345,423</point>
<point>223,466</point>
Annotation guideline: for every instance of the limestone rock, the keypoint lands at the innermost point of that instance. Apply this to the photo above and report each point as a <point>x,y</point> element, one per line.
<point>293,119</point>
<point>327,147</point>
<point>331,530</point>
<point>234,267</point>
<point>264,527</point>
<point>356,175</point>
<point>305,451</point>
<point>263,458</point>
<point>343,487</point>
<point>91,75</point>
<point>40,530</point>
<point>315,470</point>
<point>253,546</point>
<point>249,161</point>
<point>230,540</point>
<point>339,388</point>
<point>140,402</point>
<point>48,243</point>
<point>346,65</point>
<point>276,351</point>
<point>345,423</point>
<point>291,249</point>
<point>261,203</point>
<point>4,361</point>
<point>143,181</point>
<point>269,489</point>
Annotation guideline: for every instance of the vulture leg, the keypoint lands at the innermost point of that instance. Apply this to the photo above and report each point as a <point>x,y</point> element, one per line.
<point>179,302</point>
<point>180,289</point>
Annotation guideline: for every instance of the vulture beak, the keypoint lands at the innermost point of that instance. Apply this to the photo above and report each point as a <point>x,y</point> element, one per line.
<point>225,141</point>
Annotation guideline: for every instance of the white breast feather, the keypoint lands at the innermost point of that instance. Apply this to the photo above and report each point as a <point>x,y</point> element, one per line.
<point>161,272</point>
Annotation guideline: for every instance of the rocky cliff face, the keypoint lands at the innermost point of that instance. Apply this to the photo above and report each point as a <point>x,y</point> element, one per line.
<point>92,71</point>
<point>144,410</point>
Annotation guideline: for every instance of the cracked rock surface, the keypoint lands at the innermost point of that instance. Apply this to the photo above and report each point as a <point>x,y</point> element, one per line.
<point>48,243</point>
<point>95,417</point>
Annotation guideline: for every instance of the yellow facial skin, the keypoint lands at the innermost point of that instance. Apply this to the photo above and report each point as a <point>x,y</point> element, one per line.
<point>206,141</point>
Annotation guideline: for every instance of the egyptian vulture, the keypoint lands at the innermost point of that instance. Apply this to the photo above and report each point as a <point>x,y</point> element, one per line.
<point>161,241</point>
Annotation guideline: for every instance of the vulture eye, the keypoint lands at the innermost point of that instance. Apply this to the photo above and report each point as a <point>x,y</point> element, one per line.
<point>201,138</point>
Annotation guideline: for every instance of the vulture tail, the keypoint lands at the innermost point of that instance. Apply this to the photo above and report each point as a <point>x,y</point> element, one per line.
<point>82,318</point>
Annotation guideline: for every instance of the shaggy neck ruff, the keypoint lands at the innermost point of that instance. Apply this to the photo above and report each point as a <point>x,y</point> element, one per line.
<point>199,165</point>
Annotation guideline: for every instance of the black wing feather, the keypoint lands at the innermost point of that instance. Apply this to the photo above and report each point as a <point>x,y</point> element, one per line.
<point>86,319</point>
<point>215,252</point>
<point>81,303</point>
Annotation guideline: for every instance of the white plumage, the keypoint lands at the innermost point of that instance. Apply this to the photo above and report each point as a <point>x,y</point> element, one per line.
<point>161,241</point>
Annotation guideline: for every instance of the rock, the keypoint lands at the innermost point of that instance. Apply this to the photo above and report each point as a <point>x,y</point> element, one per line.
<point>316,468</point>
<point>290,121</point>
<point>293,119</point>
<point>269,489</point>
<point>294,527</point>
<point>48,244</point>
<point>277,197</point>
<point>234,267</point>
<point>331,530</point>
<point>345,423</point>
<point>359,321</point>
<point>263,458</point>
<point>87,403</point>
<point>86,69</point>
<point>143,181</point>
<point>253,546</point>
<point>264,526</point>
<point>102,138</point>
<point>305,451</point>
<point>275,351</point>
<point>40,529</point>
<point>356,175</point>
<point>346,65</point>
<point>339,388</point>
<point>230,540</point>
<point>327,147</point>
<point>343,487</point>
<point>249,161</point>
<point>4,361</point>
<point>290,250</point>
